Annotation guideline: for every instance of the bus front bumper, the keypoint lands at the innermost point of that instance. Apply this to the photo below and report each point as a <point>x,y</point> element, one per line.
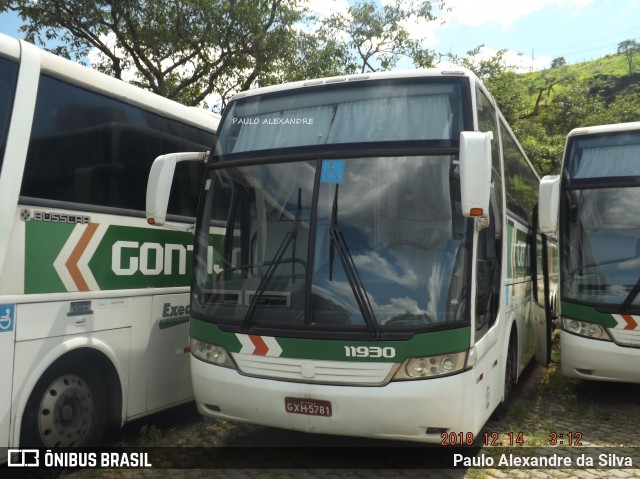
<point>597,360</point>
<point>421,410</point>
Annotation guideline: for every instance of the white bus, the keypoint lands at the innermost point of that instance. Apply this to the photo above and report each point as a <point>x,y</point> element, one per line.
<point>363,259</point>
<point>595,206</point>
<point>93,302</point>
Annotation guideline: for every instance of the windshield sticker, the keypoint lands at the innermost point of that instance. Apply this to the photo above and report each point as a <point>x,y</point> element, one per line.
<point>272,121</point>
<point>332,171</point>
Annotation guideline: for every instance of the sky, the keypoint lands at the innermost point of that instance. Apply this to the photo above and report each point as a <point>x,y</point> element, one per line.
<point>533,31</point>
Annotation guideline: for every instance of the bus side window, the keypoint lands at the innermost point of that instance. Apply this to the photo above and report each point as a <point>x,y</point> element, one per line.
<point>8,77</point>
<point>488,278</point>
<point>489,255</point>
<point>96,152</point>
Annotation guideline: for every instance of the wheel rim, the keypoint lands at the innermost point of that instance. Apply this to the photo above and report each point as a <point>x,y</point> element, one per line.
<point>66,412</point>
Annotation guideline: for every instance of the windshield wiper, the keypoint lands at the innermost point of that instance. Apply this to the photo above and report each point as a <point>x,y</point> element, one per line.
<point>338,243</point>
<point>632,296</point>
<point>289,238</point>
<point>296,221</point>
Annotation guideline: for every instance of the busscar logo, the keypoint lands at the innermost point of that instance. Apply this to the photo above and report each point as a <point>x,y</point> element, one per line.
<point>36,215</point>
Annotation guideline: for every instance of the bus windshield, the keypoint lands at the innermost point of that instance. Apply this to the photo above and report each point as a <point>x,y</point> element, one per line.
<point>324,216</point>
<point>371,244</point>
<point>601,225</point>
<point>356,112</point>
<point>606,156</point>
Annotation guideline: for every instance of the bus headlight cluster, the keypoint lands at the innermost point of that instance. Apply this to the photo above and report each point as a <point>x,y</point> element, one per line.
<point>582,328</point>
<point>211,353</point>
<point>431,366</point>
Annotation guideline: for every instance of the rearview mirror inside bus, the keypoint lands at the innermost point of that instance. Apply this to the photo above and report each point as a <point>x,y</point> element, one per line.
<point>475,173</point>
<point>548,202</point>
<point>159,184</point>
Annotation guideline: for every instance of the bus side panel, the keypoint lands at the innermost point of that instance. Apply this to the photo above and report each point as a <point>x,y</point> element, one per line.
<point>159,342</point>
<point>11,280</point>
<point>169,352</point>
<point>487,375</point>
<point>7,338</point>
<point>519,293</point>
<point>32,358</point>
<point>66,320</point>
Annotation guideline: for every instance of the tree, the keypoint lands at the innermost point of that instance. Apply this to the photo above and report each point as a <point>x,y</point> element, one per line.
<point>184,50</point>
<point>483,67</point>
<point>629,48</point>
<point>377,38</point>
<point>558,62</point>
<point>194,50</point>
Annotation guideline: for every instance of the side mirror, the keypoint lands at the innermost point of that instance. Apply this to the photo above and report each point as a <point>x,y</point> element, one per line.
<point>475,173</point>
<point>159,183</point>
<point>548,204</point>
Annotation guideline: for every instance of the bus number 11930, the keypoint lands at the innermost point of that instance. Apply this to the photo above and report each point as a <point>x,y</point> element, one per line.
<point>369,352</point>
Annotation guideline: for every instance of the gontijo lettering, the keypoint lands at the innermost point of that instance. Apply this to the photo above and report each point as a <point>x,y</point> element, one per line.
<point>151,258</point>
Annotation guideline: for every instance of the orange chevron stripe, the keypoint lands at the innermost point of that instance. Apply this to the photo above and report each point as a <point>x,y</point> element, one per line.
<point>261,347</point>
<point>76,254</point>
<point>631,323</point>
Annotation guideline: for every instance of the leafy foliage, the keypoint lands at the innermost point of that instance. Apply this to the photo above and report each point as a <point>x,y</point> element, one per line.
<point>630,49</point>
<point>181,50</point>
<point>192,49</point>
<point>542,107</point>
<point>377,38</point>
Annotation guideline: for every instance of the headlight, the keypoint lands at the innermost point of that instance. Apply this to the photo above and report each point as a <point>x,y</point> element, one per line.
<point>211,353</point>
<point>431,366</point>
<point>582,328</point>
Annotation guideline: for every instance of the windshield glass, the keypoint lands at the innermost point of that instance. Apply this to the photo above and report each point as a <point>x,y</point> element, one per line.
<point>611,155</point>
<point>312,237</point>
<point>344,113</point>
<point>601,231</point>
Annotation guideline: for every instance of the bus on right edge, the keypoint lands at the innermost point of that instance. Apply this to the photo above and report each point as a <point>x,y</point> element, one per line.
<point>594,206</point>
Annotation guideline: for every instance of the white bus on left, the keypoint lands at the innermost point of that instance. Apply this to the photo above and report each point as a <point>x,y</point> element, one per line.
<point>94,303</point>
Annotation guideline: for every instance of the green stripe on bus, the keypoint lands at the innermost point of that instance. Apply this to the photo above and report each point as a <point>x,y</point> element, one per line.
<point>586,313</point>
<point>421,344</point>
<point>43,242</point>
<point>126,258</point>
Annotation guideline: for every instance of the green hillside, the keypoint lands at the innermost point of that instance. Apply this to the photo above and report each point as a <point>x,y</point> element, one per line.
<point>612,65</point>
<point>543,106</point>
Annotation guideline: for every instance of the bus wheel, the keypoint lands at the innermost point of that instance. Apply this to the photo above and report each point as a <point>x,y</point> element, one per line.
<point>67,408</point>
<point>509,375</point>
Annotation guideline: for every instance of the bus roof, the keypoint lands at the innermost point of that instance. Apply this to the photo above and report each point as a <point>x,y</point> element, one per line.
<point>416,73</point>
<point>613,128</point>
<point>94,80</point>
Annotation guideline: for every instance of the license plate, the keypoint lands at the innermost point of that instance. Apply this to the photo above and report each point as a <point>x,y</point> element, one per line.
<point>309,407</point>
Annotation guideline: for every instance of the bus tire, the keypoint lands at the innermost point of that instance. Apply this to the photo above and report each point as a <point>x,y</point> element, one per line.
<point>68,407</point>
<point>509,380</point>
